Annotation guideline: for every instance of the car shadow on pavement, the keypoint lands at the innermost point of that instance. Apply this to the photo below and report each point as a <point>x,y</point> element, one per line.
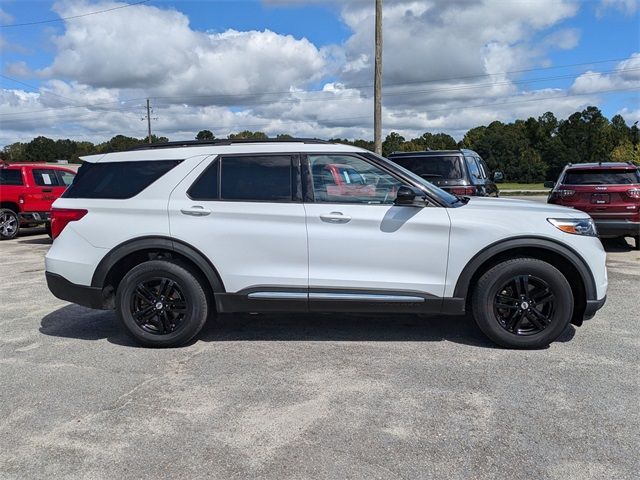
<point>73,321</point>
<point>617,245</point>
<point>37,241</point>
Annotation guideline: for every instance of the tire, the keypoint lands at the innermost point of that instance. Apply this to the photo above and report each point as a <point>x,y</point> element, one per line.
<point>9,224</point>
<point>637,239</point>
<point>169,301</point>
<point>512,306</point>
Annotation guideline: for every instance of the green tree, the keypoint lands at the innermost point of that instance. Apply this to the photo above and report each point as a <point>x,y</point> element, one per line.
<point>40,149</point>
<point>392,143</point>
<point>625,152</point>
<point>205,135</point>
<point>248,135</point>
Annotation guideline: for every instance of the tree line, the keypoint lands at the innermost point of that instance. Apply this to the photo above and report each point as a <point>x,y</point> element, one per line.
<point>531,150</point>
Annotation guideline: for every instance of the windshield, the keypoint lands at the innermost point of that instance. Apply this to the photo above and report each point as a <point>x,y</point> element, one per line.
<point>601,177</point>
<point>430,187</point>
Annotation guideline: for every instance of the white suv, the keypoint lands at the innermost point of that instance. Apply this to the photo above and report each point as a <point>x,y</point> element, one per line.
<point>171,234</point>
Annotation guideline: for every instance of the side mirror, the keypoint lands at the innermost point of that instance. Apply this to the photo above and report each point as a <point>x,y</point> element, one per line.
<point>549,184</point>
<point>410,196</point>
<point>498,176</point>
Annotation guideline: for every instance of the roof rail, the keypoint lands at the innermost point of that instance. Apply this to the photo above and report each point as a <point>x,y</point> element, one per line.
<point>223,141</point>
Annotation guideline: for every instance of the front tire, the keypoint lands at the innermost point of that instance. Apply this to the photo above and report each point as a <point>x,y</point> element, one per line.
<point>523,303</point>
<point>162,304</point>
<point>9,224</point>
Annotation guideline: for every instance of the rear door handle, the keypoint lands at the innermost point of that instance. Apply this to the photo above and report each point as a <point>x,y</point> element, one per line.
<point>335,217</point>
<point>196,211</point>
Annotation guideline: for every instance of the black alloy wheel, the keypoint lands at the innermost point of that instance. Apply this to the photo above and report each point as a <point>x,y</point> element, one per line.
<point>162,303</point>
<point>158,305</point>
<point>524,305</point>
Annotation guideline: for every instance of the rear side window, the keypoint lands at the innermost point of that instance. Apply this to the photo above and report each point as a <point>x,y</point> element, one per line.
<point>46,177</point>
<point>601,177</point>
<point>432,167</point>
<point>256,178</point>
<point>117,180</point>
<point>65,178</point>
<point>10,177</point>
<point>474,170</point>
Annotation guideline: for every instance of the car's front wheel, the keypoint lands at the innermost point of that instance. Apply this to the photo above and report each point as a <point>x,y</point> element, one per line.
<point>523,303</point>
<point>162,304</point>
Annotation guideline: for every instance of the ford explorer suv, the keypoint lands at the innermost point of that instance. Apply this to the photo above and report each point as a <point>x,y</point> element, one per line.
<point>460,172</point>
<point>26,194</point>
<point>608,192</point>
<point>173,234</point>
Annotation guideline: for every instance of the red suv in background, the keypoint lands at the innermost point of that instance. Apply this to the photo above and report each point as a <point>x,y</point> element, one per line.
<point>26,194</point>
<point>609,192</point>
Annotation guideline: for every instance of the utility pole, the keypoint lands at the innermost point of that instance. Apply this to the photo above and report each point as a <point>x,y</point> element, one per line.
<point>149,120</point>
<point>377,83</point>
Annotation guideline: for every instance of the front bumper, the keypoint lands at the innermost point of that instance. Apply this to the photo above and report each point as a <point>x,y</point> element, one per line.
<point>63,289</point>
<point>617,228</point>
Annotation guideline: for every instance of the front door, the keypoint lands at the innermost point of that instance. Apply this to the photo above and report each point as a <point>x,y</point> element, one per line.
<point>361,245</point>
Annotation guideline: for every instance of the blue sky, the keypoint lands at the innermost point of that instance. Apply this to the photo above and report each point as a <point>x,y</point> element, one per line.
<point>240,49</point>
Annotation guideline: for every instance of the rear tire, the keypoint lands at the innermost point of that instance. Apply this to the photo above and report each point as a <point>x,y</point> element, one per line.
<point>637,239</point>
<point>47,228</point>
<point>523,303</point>
<point>9,224</point>
<point>162,304</point>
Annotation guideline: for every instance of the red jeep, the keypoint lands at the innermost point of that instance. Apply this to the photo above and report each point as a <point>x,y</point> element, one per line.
<point>26,194</point>
<point>609,192</point>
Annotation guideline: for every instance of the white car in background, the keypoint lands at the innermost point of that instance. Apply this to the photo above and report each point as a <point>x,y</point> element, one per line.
<point>171,234</point>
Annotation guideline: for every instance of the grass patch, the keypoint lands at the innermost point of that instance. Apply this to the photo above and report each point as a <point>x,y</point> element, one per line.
<point>522,186</point>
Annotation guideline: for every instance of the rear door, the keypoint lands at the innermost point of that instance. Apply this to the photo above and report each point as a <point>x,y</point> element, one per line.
<point>245,214</point>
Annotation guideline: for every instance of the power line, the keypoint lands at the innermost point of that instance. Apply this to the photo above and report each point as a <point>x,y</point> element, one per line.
<point>62,19</point>
<point>341,98</point>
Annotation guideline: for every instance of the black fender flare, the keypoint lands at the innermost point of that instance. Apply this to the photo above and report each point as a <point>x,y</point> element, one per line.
<point>464,280</point>
<point>157,242</point>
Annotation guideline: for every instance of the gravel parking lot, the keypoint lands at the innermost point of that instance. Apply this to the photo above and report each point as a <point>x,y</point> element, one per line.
<point>323,396</point>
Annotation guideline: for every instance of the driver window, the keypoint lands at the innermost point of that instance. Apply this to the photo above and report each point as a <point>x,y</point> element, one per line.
<point>346,179</point>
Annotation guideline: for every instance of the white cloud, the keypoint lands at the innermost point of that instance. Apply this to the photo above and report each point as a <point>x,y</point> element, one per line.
<point>629,7</point>
<point>625,76</point>
<point>444,70</point>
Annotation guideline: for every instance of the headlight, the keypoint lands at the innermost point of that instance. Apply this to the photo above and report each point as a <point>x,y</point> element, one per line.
<point>576,226</point>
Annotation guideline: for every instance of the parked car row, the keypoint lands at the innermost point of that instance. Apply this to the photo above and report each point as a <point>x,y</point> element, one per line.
<point>27,192</point>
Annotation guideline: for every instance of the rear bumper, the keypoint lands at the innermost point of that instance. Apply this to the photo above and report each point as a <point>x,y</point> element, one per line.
<point>592,307</point>
<point>81,294</point>
<point>617,228</point>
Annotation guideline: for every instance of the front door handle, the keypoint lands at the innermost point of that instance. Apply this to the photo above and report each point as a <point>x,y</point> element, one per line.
<point>335,217</point>
<point>196,211</point>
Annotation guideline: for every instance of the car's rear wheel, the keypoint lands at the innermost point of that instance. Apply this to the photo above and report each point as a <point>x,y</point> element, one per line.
<point>523,303</point>
<point>162,304</point>
<point>9,224</point>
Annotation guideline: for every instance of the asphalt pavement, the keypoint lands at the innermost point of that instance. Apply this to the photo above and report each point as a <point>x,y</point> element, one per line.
<point>312,396</point>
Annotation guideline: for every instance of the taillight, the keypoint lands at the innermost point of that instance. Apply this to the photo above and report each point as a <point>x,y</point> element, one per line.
<point>60,217</point>
<point>565,193</point>
<point>634,193</point>
<point>463,190</point>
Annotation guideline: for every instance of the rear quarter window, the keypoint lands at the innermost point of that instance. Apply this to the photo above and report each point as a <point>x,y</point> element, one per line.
<point>10,177</point>
<point>117,180</point>
<point>432,167</point>
<point>601,177</point>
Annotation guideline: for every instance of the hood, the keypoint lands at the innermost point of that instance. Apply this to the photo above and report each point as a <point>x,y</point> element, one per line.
<point>524,206</point>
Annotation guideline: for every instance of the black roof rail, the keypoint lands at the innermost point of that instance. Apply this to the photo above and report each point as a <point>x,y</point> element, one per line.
<point>224,141</point>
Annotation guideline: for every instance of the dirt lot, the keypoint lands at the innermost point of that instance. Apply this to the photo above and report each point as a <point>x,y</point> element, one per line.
<point>328,396</point>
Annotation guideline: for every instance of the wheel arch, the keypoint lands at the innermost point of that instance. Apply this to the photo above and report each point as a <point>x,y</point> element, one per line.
<point>125,256</point>
<point>10,206</point>
<point>564,258</point>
